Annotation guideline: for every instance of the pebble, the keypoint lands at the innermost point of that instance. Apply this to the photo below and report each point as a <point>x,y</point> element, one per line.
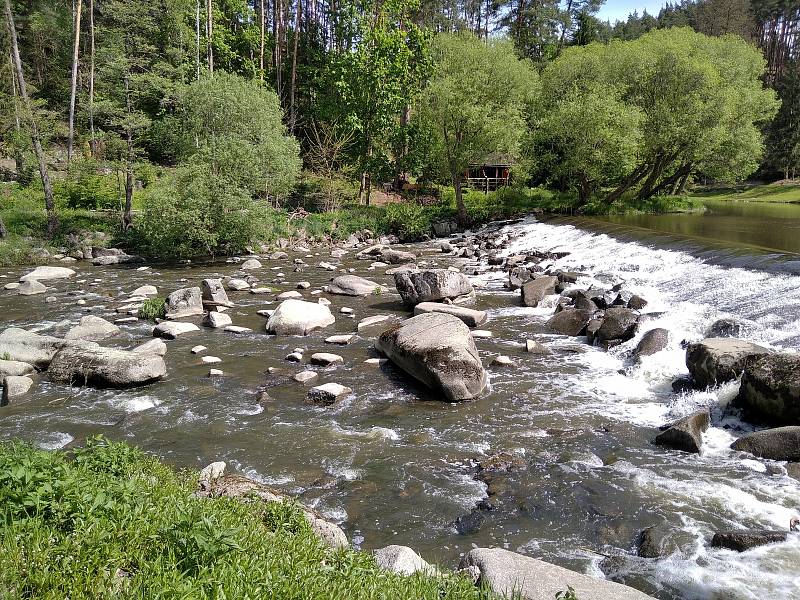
<point>376,361</point>
<point>346,310</point>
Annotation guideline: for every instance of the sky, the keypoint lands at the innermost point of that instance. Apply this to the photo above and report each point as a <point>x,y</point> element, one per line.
<point>614,10</point>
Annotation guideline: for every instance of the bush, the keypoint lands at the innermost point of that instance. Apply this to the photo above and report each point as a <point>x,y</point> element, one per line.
<point>409,221</point>
<point>152,309</point>
<point>108,521</point>
<point>192,213</point>
<point>85,188</point>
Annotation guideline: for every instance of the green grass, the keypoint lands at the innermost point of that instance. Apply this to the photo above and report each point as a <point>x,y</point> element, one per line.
<point>772,192</point>
<point>108,521</point>
<point>152,309</point>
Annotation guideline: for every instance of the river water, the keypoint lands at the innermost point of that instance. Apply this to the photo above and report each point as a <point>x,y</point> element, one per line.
<point>394,465</point>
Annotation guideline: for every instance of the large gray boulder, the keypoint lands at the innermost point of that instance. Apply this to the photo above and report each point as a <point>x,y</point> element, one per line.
<point>652,342</point>
<point>14,368</point>
<point>402,560</point>
<point>534,291</point>
<point>781,443</point>
<point>353,285</point>
<point>571,321</point>
<point>298,317</point>
<point>687,433</point>
<point>770,389</point>
<point>15,386</point>
<point>396,257</point>
<point>431,285</point>
<point>45,273</point>
<point>716,360</point>
<point>214,294</point>
<point>92,329</point>
<point>24,346</point>
<point>470,316</point>
<point>89,364</point>
<point>438,350</point>
<point>619,323</point>
<point>516,576</point>
<point>185,302</point>
<point>31,287</point>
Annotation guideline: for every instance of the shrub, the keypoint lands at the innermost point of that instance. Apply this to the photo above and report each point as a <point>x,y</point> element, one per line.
<point>409,221</point>
<point>85,188</point>
<point>152,309</point>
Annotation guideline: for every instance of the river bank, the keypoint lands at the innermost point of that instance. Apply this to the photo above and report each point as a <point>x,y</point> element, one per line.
<point>392,465</point>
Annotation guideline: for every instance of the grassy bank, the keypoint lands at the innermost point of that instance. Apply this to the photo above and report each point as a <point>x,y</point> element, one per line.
<point>781,192</point>
<point>24,216</point>
<point>109,521</point>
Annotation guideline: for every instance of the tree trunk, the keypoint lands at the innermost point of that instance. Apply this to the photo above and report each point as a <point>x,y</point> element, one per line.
<point>210,34</point>
<point>74,82</point>
<point>292,111</point>
<point>127,216</point>
<point>92,142</point>
<point>52,217</point>
<point>19,157</point>
<point>3,230</point>
<point>632,180</point>
<point>197,40</point>
<point>263,39</point>
<point>461,215</point>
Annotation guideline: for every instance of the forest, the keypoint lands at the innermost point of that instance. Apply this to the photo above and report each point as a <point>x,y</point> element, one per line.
<point>193,124</point>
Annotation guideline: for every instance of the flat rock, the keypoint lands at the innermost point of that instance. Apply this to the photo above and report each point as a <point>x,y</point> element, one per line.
<point>45,273</point>
<point>31,287</point>
<point>145,290</point>
<point>93,329</point>
<point>15,368</point>
<point>172,329</point>
<point>305,376</point>
<point>780,443</point>
<point>525,578</point>
<point>328,393</point>
<point>217,319</point>
<point>437,350</point>
<point>237,329</point>
<point>24,346</point>
<point>290,295</point>
<point>198,349</point>
<point>342,340</point>
<point>470,317</point>
<point>717,360</point>
<point>90,364</point>
<point>353,285</point>
<point>741,541</point>
<point>373,320</point>
<point>297,317</point>
<point>325,359</point>
<point>395,257</point>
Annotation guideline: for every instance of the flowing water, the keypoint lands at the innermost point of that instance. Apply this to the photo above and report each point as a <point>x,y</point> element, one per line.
<point>394,465</point>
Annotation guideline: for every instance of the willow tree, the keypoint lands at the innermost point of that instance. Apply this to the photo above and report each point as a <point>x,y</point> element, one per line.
<point>475,103</point>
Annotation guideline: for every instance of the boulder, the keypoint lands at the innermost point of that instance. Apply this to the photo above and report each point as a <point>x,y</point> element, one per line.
<point>90,364</point>
<point>14,368</point>
<point>328,393</point>
<point>92,329</point>
<point>24,346</point>
<point>115,259</point>
<point>290,295</point>
<point>438,350</point>
<point>15,386</point>
<point>686,433</point>
<point>297,317</point>
<point>781,443</point>
<point>353,285</point>
<point>716,360</point>
<point>659,541</point>
<point>396,257</point>
<point>214,294</point>
<point>325,359</point>
<point>471,317</point>
<point>535,347</point>
<point>723,328</point>
<point>402,560</point>
<point>571,321</point>
<point>652,342</point>
<point>31,287</point>
<point>518,276</point>
<point>145,290</point>
<point>217,319</point>
<point>45,273</point>
<point>514,575</point>
<point>431,285</point>
<point>155,346</point>
<point>238,285</point>
<point>185,302</point>
<point>172,329</point>
<point>534,291</point>
<point>619,323</point>
<point>770,389</point>
<point>250,264</point>
<point>741,541</point>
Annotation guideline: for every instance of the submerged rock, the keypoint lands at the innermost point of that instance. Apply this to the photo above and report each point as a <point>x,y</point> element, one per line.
<point>781,443</point>
<point>437,350</point>
<point>724,328</point>
<point>45,273</point>
<point>90,364</point>
<point>514,575</point>
<point>660,541</point>
<point>297,317</point>
<point>686,433</point>
<point>770,389</point>
<point>741,541</point>
<point>92,329</point>
<point>431,285</point>
<point>717,360</point>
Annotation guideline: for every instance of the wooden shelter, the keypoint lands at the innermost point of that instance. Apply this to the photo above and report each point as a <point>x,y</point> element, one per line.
<point>491,173</point>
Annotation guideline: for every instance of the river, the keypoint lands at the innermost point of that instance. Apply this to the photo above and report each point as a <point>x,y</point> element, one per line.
<point>393,466</point>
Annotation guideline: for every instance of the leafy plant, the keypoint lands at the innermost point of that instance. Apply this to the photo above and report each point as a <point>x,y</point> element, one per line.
<point>152,309</point>
<point>568,595</point>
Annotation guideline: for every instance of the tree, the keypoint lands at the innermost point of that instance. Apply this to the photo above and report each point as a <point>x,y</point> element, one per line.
<point>475,102</point>
<point>52,216</point>
<point>234,127</point>
<point>74,83</point>
<point>701,100</point>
